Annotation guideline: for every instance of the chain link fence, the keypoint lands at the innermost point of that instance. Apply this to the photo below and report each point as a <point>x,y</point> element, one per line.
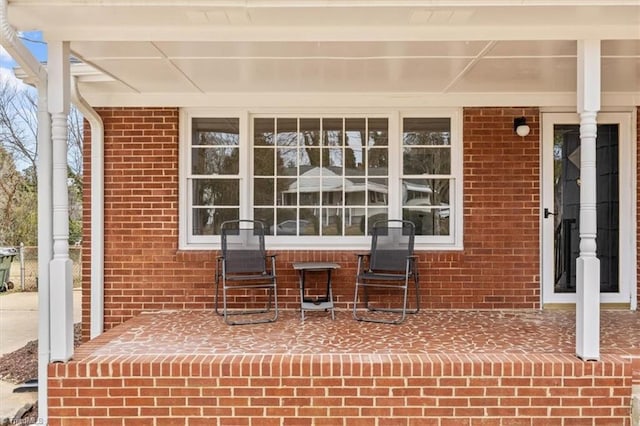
<point>24,268</point>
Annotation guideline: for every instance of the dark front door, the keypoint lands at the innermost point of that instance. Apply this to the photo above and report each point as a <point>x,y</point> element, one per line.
<point>566,213</point>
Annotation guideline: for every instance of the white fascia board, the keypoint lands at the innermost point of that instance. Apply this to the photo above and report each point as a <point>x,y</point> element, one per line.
<point>335,34</point>
<point>336,100</point>
<point>327,3</point>
<point>264,101</point>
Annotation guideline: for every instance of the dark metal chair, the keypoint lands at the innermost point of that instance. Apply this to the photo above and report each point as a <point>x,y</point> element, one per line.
<point>245,265</point>
<point>390,265</point>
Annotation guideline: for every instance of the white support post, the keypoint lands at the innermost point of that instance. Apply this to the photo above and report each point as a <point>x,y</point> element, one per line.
<point>60,268</point>
<point>45,246</point>
<point>588,265</point>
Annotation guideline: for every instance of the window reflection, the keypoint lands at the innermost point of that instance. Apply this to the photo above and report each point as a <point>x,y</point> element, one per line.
<point>215,131</point>
<point>426,152</point>
<point>215,165</point>
<point>320,176</point>
<point>214,161</point>
<point>331,172</point>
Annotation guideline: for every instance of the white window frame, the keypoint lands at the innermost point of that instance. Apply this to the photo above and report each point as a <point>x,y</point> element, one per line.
<point>187,241</point>
<point>454,239</point>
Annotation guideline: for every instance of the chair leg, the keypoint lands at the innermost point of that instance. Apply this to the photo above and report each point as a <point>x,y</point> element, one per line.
<point>416,281</point>
<point>274,291</point>
<point>355,302</point>
<point>402,311</point>
<point>272,298</point>
<point>216,295</point>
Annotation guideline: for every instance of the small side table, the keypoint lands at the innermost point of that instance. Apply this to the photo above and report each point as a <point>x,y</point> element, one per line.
<point>319,303</point>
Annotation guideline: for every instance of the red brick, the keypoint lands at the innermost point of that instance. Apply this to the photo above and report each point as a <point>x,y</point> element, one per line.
<point>141,175</point>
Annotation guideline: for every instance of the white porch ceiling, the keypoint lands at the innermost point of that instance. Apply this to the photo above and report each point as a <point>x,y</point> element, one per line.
<point>186,49</point>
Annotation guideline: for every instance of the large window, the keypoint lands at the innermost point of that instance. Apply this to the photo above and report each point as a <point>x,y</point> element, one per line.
<point>323,179</point>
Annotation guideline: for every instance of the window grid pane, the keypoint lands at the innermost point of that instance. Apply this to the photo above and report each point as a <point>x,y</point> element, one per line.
<point>214,182</point>
<point>320,176</point>
<point>427,180</point>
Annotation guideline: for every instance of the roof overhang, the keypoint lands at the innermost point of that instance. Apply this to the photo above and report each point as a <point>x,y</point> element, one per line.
<point>244,52</point>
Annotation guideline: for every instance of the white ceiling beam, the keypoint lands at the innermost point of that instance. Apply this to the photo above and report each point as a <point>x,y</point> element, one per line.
<point>177,69</point>
<point>470,66</point>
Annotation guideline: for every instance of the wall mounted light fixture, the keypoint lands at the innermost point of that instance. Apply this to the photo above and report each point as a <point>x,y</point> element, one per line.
<point>521,127</point>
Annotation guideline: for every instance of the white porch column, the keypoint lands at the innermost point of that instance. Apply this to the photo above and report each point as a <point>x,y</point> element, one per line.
<point>588,265</point>
<point>60,268</point>
<point>45,247</point>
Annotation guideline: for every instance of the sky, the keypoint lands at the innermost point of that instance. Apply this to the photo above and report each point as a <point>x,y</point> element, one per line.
<point>33,42</point>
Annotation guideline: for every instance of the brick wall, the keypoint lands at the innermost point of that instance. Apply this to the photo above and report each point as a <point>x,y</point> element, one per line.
<point>140,212</point>
<point>499,267</point>
<point>349,390</point>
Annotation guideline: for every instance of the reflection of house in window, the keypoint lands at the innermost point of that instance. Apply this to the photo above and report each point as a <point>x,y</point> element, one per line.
<point>321,187</point>
<point>416,194</point>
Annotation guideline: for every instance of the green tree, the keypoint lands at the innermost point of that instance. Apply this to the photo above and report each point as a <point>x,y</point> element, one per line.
<point>18,165</point>
<point>18,222</point>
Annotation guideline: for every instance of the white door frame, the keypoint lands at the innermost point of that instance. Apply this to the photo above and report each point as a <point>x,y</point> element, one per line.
<point>627,209</point>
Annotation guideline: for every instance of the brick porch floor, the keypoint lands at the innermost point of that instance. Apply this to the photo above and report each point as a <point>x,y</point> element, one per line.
<point>462,367</point>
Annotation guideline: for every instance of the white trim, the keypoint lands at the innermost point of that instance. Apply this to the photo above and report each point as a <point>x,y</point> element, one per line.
<point>627,207</point>
<point>246,165</point>
<point>395,164</point>
<point>453,241</point>
<point>633,232</point>
<point>480,32</point>
<point>334,3</point>
<point>184,222</point>
<point>186,240</point>
<point>391,100</point>
<point>439,243</point>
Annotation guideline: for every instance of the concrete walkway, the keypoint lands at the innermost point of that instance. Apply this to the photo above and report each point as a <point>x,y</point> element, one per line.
<point>18,326</point>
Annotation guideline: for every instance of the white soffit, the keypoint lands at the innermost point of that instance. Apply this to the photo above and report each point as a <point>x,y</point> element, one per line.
<point>621,75</point>
<point>621,47</point>
<point>544,74</point>
<point>328,75</point>
<point>434,67</point>
<point>147,75</point>
<point>444,48</point>
<point>319,49</point>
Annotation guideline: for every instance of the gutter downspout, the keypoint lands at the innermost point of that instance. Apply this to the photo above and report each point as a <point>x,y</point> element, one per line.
<point>38,73</point>
<point>97,209</point>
